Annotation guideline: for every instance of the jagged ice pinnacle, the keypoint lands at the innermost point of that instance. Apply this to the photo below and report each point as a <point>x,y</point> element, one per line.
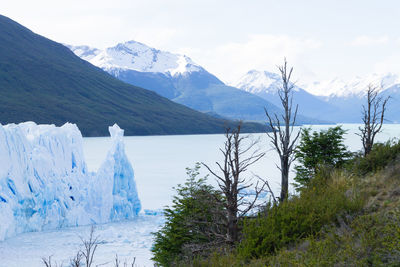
<point>44,182</point>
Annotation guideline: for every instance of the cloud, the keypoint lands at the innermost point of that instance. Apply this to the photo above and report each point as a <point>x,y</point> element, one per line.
<point>369,41</point>
<point>158,37</point>
<point>389,64</point>
<point>260,51</point>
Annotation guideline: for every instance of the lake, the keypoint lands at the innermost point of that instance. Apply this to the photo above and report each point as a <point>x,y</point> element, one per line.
<point>159,163</point>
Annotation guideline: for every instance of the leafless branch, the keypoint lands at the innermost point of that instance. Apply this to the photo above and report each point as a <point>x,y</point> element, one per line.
<point>238,156</point>
<point>77,260</point>
<point>282,138</point>
<point>89,247</point>
<point>265,181</point>
<point>373,117</point>
<point>48,262</point>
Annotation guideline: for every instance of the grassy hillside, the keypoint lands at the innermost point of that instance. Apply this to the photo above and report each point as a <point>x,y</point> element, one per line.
<point>43,81</point>
<point>346,217</point>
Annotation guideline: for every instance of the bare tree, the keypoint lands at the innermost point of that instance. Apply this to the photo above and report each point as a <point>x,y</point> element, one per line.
<point>282,137</point>
<point>89,247</point>
<point>237,157</point>
<point>269,190</point>
<point>76,261</point>
<point>87,254</point>
<point>48,262</point>
<point>118,262</point>
<point>373,116</point>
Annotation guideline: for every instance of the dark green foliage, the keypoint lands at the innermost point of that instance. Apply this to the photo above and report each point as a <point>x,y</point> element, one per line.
<point>301,216</point>
<point>192,222</point>
<point>369,240</point>
<point>319,149</point>
<point>44,82</point>
<point>380,156</point>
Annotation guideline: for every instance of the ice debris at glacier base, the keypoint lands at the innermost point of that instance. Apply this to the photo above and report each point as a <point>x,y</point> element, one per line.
<point>44,182</point>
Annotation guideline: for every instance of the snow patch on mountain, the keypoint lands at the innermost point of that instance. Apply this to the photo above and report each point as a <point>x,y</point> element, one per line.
<point>44,182</point>
<point>85,52</point>
<point>356,87</point>
<point>136,56</point>
<point>256,82</point>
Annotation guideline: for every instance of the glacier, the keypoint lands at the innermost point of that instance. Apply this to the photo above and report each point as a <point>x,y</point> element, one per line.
<point>45,183</point>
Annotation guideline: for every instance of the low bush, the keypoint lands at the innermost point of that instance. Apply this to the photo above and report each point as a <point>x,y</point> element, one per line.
<point>381,155</point>
<point>369,240</point>
<point>321,203</point>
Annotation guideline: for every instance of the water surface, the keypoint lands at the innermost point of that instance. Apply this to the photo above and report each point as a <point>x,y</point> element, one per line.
<point>159,162</point>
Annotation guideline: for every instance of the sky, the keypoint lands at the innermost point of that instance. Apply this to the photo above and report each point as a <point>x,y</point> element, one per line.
<point>320,39</point>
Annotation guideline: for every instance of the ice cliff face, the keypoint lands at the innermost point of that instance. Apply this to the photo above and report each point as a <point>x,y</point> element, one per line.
<point>44,182</point>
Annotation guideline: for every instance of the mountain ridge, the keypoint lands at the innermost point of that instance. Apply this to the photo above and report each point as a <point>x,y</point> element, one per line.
<point>187,83</point>
<point>133,55</point>
<point>338,101</point>
<point>266,85</point>
<point>355,87</point>
<point>45,82</point>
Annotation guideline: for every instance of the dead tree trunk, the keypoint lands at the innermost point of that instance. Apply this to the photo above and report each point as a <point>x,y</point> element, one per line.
<point>373,116</point>
<point>282,129</point>
<point>237,157</point>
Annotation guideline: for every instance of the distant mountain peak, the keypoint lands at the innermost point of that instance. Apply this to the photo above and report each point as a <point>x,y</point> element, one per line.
<point>355,87</point>
<point>133,55</point>
<point>257,81</point>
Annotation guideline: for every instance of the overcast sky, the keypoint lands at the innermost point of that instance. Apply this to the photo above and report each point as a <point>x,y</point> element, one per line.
<point>323,39</point>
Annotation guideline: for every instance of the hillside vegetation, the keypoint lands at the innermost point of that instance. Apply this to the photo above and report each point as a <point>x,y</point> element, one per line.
<point>343,217</point>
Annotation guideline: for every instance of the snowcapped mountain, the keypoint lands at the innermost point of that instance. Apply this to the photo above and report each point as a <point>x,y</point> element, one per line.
<point>356,87</point>
<point>69,89</point>
<point>45,184</point>
<point>136,56</point>
<point>259,82</point>
<point>180,79</point>
<point>334,100</point>
<point>349,96</point>
<point>176,77</point>
<point>266,85</point>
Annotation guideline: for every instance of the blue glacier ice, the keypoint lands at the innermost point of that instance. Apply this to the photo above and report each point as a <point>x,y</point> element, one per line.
<point>45,184</point>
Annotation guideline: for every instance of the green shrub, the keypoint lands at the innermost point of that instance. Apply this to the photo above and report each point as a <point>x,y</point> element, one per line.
<point>369,240</point>
<point>191,222</point>
<point>319,204</point>
<point>380,156</point>
<point>324,148</point>
<point>215,259</point>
